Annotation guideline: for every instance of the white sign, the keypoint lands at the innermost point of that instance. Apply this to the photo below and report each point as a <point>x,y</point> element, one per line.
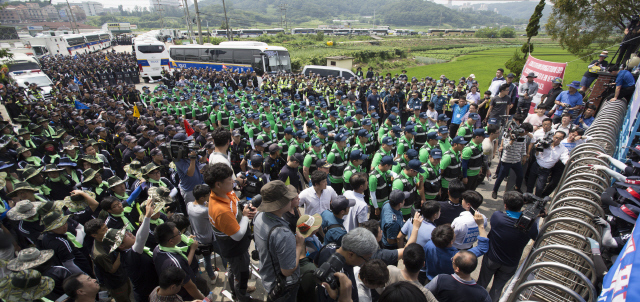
<point>35,28</point>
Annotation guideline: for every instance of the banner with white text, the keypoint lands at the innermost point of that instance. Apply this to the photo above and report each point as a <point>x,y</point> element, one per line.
<point>546,72</point>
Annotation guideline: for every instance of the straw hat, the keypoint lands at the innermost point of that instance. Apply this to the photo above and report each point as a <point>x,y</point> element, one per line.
<point>53,220</point>
<point>29,258</point>
<point>26,285</point>
<point>308,224</point>
<point>23,209</point>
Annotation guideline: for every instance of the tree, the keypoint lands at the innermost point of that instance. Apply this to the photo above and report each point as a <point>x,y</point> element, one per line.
<point>487,33</point>
<point>320,36</point>
<point>583,26</point>
<point>516,63</point>
<point>120,8</point>
<point>507,32</point>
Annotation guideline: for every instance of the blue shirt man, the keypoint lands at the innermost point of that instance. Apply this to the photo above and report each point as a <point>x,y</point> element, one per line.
<point>570,97</point>
<point>438,100</point>
<point>333,220</point>
<point>438,258</point>
<point>391,219</point>
<point>625,79</point>
<point>374,99</point>
<point>459,110</point>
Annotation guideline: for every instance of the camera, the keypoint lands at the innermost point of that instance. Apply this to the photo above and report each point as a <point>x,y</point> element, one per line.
<point>254,202</point>
<point>545,142</point>
<point>325,272</point>
<point>536,206</point>
<point>176,150</point>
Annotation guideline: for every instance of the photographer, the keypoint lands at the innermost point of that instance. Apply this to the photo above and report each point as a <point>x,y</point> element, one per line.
<point>230,226</point>
<point>280,249</point>
<point>189,171</point>
<point>359,246</point>
<point>630,41</point>
<point>514,154</point>
<point>506,244</point>
<point>547,155</point>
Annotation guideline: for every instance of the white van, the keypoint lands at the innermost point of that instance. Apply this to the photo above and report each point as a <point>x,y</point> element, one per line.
<point>325,71</point>
<point>21,63</point>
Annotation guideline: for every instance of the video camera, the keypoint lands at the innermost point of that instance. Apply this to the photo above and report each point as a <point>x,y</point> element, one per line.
<point>176,150</point>
<point>529,215</point>
<point>513,131</point>
<point>545,142</point>
<point>325,272</point>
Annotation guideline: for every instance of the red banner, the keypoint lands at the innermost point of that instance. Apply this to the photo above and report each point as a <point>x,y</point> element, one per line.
<point>187,128</point>
<point>546,72</point>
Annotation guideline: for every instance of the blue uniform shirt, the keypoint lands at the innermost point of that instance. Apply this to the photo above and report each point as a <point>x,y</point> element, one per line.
<point>566,98</point>
<point>625,79</point>
<point>438,101</point>
<point>414,102</point>
<point>373,100</point>
<point>333,235</point>
<point>390,223</point>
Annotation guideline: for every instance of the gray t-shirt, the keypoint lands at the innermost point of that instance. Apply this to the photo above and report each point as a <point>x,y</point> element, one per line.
<point>282,246</point>
<point>499,106</point>
<point>199,219</point>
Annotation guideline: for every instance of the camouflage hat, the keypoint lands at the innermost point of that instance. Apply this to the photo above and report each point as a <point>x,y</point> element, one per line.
<point>77,202</point>
<point>114,181</point>
<point>149,168</point>
<point>29,258</point>
<point>25,285</point>
<point>88,175</point>
<point>23,210</point>
<point>50,205</point>
<point>21,186</point>
<point>53,220</point>
<point>113,238</point>
<point>134,169</point>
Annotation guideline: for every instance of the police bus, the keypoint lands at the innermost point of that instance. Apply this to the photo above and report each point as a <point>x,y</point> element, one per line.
<point>74,44</point>
<point>93,42</point>
<point>232,55</point>
<point>152,56</point>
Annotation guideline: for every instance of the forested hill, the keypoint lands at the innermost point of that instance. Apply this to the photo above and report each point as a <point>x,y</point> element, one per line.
<point>388,12</point>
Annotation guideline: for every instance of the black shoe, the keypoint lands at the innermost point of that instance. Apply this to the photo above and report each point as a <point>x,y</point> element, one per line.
<point>482,182</point>
<point>494,195</point>
<point>495,176</point>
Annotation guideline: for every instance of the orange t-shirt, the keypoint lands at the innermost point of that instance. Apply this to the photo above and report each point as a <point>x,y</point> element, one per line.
<point>223,213</point>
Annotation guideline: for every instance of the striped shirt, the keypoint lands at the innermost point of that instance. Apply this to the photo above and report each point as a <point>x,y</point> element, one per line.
<point>513,153</point>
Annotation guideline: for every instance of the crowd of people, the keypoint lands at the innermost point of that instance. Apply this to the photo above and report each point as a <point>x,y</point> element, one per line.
<point>334,180</point>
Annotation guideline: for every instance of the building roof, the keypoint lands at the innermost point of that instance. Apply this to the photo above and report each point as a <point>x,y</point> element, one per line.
<point>55,25</point>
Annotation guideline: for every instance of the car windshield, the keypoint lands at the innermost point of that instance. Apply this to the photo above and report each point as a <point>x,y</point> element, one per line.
<point>40,80</point>
<point>23,66</point>
<point>278,61</point>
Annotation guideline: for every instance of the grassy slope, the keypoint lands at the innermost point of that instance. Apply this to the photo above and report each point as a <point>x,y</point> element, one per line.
<point>485,63</point>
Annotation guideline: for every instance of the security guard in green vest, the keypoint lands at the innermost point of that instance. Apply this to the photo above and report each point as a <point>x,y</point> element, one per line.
<point>432,143</point>
<point>421,128</point>
<point>450,165</point>
<point>408,181</point>
<point>445,141</point>
<point>281,124</point>
<point>431,174</point>
<point>386,127</point>
<point>380,181</point>
<point>466,129</point>
<point>268,136</point>
<point>405,142</point>
<point>298,145</point>
<point>441,121</point>
<point>385,150</point>
<point>223,115</point>
<point>312,156</point>
<point>472,160</point>
<point>356,158</point>
<point>287,140</point>
<point>404,160</point>
<point>363,138</point>
<point>338,157</point>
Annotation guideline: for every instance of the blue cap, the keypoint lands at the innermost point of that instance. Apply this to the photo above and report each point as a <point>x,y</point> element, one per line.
<point>364,133</point>
<point>324,131</point>
<point>423,115</point>
<point>249,115</point>
<point>480,132</point>
<point>358,104</point>
<point>311,123</point>
<point>340,137</point>
<point>375,115</point>
<point>359,111</point>
<point>348,119</point>
<point>388,141</point>
<point>395,110</point>
<point>392,118</point>
<point>474,116</point>
<point>238,111</point>
<point>357,154</point>
<point>266,124</point>
<point>256,116</point>
<point>412,154</point>
<point>316,142</point>
<point>317,113</point>
<point>288,130</point>
<point>301,134</point>
<point>459,140</point>
<point>388,160</point>
<point>254,103</point>
<point>343,108</point>
<point>415,164</point>
<point>284,117</point>
<point>372,108</point>
<point>410,129</point>
<point>297,123</point>
<point>492,121</point>
<point>334,113</point>
<point>303,108</point>
<point>443,117</point>
<point>443,129</point>
<point>433,135</point>
<point>366,122</point>
<point>436,153</point>
<point>396,129</point>
<point>312,104</point>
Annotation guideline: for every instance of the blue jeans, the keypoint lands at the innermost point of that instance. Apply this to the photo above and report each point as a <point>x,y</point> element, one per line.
<point>505,168</point>
<point>587,81</point>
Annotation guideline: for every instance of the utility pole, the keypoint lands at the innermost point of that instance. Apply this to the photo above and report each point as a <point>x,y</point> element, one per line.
<point>374,18</point>
<point>188,17</point>
<point>73,18</point>
<point>283,16</point>
<point>226,21</point>
<point>195,4</point>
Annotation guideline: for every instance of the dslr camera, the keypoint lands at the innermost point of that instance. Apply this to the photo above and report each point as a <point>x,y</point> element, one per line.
<point>545,142</point>
<point>325,272</point>
<point>536,205</point>
<point>177,150</point>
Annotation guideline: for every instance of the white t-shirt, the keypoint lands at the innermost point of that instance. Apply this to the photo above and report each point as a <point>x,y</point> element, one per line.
<point>487,147</point>
<point>216,157</point>
<point>535,120</point>
<point>466,230</point>
<point>434,115</point>
<point>358,214</point>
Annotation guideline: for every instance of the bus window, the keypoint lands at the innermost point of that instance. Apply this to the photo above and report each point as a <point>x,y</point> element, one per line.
<point>206,55</point>
<point>150,48</point>
<point>177,54</point>
<point>192,54</point>
<point>225,55</point>
<point>242,56</point>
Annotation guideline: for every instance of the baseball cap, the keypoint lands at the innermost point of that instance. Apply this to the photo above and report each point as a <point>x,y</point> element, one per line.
<point>433,135</point>
<point>316,142</point>
<point>298,157</point>
<point>301,134</point>
<point>474,116</point>
<point>261,143</point>
<point>137,149</point>
<point>364,133</point>
<point>422,115</point>
<point>288,130</point>
<point>256,158</point>
<point>274,148</point>
<point>392,118</point>
<point>181,137</point>
<point>322,163</point>
<point>410,129</point>
<point>627,212</point>
<point>443,117</point>
<point>436,153</point>
<point>366,122</point>
<point>492,121</point>
<point>479,132</point>
<point>388,141</point>
<point>357,154</point>
<point>511,75</point>
<point>266,124</point>
<point>323,130</point>
<point>459,140</point>
<point>412,154</point>
<point>341,203</point>
<point>387,160</point>
<point>415,164</point>
<point>340,137</point>
<point>443,129</point>
<point>397,197</point>
<point>348,119</point>
<point>396,129</point>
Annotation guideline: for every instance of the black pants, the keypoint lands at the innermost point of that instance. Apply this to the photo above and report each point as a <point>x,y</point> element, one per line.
<point>537,179</point>
<point>453,130</point>
<point>337,187</point>
<point>472,182</point>
<point>555,175</point>
<point>626,93</point>
<point>505,169</point>
<point>626,49</point>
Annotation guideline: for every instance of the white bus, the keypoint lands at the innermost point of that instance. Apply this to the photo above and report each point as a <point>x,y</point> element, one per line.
<point>232,55</point>
<point>74,44</point>
<point>93,41</point>
<point>152,56</point>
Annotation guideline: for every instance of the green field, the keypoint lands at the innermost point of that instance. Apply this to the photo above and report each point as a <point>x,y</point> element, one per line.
<point>485,63</point>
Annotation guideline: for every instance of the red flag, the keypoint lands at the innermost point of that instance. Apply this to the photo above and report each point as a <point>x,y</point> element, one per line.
<point>224,67</point>
<point>187,128</point>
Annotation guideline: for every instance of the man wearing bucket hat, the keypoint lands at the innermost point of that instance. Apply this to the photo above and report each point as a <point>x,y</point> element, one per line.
<point>32,176</point>
<point>81,205</point>
<point>60,186</point>
<point>280,249</point>
<point>92,181</point>
<point>40,260</point>
<point>59,234</point>
<point>25,285</point>
<point>26,213</point>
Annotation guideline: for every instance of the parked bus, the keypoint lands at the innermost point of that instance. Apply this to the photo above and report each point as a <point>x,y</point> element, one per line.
<point>296,31</point>
<point>93,42</point>
<point>105,40</point>
<point>233,55</point>
<point>152,56</point>
<point>74,44</point>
